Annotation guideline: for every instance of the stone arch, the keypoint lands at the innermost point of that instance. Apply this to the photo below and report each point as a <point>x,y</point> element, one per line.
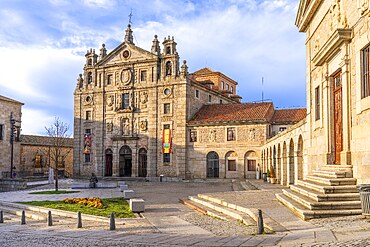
<point>284,172</point>
<point>213,165</point>
<point>125,161</point>
<point>291,170</point>
<point>231,158</point>
<point>250,161</point>
<point>108,162</point>
<point>274,158</point>
<point>278,166</point>
<point>300,158</point>
<point>142,162</point>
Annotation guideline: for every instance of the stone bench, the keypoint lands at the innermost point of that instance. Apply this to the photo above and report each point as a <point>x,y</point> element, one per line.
<point>128,194</point>
<point>123,187</point>
<point>86,185</point>
<point>137,205</point>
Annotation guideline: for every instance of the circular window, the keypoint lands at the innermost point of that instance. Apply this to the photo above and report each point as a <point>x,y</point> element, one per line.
<point>167,91</point>
<point>126,54</point>
<point>88,99</point>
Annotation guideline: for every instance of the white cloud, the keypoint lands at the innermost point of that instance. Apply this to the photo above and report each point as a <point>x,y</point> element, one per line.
<point>99,3</point>
<point>35,120</point>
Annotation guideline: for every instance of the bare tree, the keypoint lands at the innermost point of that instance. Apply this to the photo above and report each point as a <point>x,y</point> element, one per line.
<point>59,133</point>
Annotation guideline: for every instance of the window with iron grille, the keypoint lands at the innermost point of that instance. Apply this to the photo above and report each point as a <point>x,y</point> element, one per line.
<point>231,165</point>
<point>125,101</point>
<point>317,103</point>
<point>365,72</point>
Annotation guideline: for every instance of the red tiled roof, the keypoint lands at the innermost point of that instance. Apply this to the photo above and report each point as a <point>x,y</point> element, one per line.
<point>289,115</point>
<point>234,112</point>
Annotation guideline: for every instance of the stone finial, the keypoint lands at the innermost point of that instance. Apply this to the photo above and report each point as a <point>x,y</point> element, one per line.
<point>156,49</point>
<point>184,68</point>
<point>128,36</point>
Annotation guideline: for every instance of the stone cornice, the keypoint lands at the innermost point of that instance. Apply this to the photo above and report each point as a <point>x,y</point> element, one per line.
<point>330,47</point>
<point>306,11</point>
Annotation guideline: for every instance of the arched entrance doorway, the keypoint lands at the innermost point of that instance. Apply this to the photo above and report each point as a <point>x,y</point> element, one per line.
<point>300,158</point>
<point>125,161</point>
<point>213,165</point>
<point>142,162</point>
<point>250,162</point>
<point>108,162</point>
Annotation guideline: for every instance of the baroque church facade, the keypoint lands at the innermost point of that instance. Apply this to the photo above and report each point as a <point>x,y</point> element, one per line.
<point>140,113</point>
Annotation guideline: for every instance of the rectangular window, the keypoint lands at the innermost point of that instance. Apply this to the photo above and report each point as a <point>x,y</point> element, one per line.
<point>227,86</point>
<point>209,98</point>
<point>251,165</point>
<point>317,103</point>
<point>232,89</point>
<point>281,129</point>
<point>365,72</point>
<point>17,134</point>
<point>166,158</point>
<point>1,132</point>
<point>220,101</point>
<point>88,115</point>
<point>231,165</point>
<point>222,85</point>
<point>125,101</point>
<point>143,75</point>
<point>87,131</point>
<point>193,136</point>
<point>197,93</point>
<point>87,158</point>
<point>38,161</point>
<point>231,135</point>
<point>109,79</point>
<point>167,108</point>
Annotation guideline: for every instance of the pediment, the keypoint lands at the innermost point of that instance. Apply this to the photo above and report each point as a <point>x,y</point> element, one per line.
<point>306,11</point>
<point>126,52</point>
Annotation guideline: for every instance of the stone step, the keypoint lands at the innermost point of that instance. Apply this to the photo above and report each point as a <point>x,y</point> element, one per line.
<point>18,212</point>
<point>320,197</point>
<point>200,208</point>
<point>327,189</point>
<point>306,214</point>
<point>242,217</point>
<point>330,174</point>
<point>332,181</point>
<point>251,212</point>
<point>327,205</point>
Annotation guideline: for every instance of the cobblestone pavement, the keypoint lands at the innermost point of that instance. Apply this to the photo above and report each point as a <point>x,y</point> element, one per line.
<point>169,223</point>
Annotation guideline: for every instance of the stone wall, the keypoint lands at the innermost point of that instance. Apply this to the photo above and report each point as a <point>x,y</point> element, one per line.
<point>12,184</point>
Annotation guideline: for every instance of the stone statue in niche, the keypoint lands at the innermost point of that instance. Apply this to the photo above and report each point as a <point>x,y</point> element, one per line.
<point>125,126</point>
<point>109,126</point>
<point>143,99</point>
<point>252,134</point>
<point>168,68</point>
<point>143,125</point>
<point>213,136</point>
<point>110,102</point>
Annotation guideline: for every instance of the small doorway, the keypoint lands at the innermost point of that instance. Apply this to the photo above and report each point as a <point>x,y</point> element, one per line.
<point>338,118</point>
<point>125,161</point>
<point>212,165</point>
<point>108,162</point>
<point>142,162</point>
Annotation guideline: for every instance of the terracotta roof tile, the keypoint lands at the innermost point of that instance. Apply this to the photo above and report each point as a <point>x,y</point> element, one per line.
<point>289,115</point>
<point>43,140</point>
<point>234,112</point>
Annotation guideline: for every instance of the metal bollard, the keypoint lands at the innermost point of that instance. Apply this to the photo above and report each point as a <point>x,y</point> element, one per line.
<point>260,228</point>
<point>112,222</point>
<point>23,218</point>
<point>50,219</point>
<point>1,217</point>
<point>79,220</point>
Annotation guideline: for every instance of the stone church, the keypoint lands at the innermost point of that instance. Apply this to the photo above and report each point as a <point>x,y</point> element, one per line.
<point>140,113</point>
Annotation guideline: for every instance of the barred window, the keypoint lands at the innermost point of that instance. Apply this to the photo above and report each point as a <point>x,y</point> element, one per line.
<point>365,72</point>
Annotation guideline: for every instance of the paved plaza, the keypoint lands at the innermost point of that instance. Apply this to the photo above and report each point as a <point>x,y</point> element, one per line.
<point>166,222</point>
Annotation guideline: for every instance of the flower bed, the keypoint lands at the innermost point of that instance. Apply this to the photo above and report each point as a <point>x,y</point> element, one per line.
<point>93,202</point>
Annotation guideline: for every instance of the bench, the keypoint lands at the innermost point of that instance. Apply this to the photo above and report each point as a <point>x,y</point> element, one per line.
<point>137,205</point>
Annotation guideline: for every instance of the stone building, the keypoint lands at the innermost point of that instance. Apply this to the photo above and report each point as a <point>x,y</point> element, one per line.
<point>9,109</point>
<point>140,113</point>
<point>324,156</point>
<point>38,153</point>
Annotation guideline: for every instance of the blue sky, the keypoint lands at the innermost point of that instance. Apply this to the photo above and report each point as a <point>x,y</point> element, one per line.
<point>43,42</point>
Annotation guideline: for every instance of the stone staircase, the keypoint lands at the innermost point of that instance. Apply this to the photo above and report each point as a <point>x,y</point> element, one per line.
<point>330,191</point>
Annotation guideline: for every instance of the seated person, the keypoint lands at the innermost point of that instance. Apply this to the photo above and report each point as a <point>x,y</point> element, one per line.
<point>93,180</point>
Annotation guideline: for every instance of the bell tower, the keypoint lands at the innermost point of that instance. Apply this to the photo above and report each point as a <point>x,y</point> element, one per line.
<point>170,59</point>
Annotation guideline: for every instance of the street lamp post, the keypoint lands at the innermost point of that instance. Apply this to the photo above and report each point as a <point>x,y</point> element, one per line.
<point>12,139</point>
